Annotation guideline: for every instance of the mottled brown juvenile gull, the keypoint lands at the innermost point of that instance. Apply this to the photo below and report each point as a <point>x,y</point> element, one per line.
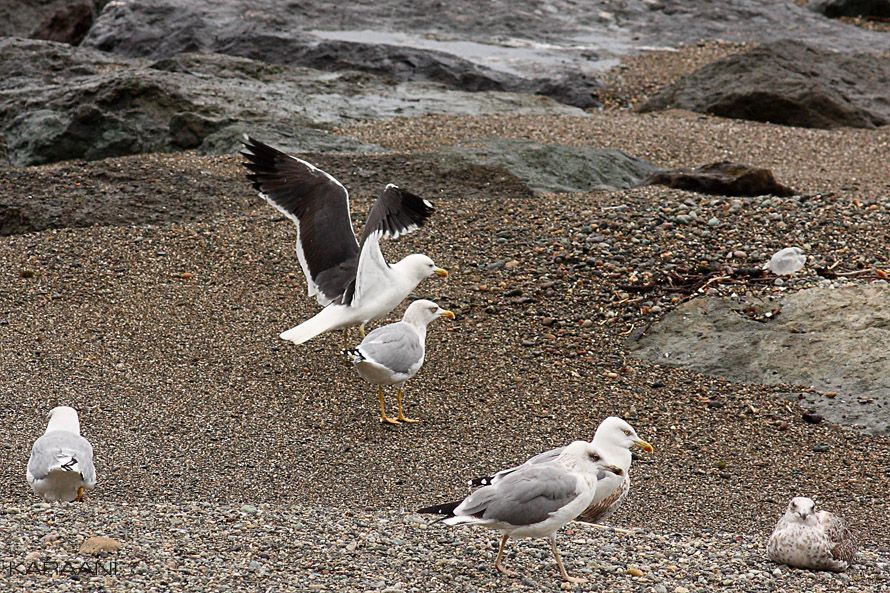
<point>806,538</point>
<point>614,439</point>
<point>61,463</point>
<point>536,500</point>
<point>350,278</point>
<point>392,354</point>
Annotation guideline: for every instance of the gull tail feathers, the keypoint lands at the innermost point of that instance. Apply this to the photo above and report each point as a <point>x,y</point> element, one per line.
<point>480,481</point>
<point>324,321</point>
<point>66,462</point>
<point>353,354</point>
<point>445,511</point>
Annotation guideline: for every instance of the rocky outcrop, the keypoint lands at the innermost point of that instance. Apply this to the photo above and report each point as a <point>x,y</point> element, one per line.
<point>724,179</point>
<point>555,168</point>
<point>835,340</point>
<point>787,83</point>
<point>170,27</point>
<point>59,102</point>
<point>838,8</point>
<point>413,64</point>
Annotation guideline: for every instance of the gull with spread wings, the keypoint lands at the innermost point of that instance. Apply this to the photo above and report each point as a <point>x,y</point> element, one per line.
<point>350,278</point>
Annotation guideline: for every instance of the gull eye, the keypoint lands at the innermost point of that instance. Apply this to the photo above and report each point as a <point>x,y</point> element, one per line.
<point>594,457</point>
<point>626,432</point>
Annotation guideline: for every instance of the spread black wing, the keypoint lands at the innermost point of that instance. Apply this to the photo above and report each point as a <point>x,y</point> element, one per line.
<point>319,206</point>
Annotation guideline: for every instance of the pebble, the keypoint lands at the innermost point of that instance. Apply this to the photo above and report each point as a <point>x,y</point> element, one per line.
<point>99,544</point>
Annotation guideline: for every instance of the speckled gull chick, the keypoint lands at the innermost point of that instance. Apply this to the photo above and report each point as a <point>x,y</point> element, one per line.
<point>807,538</point>
<point>614,439</point>
<point>61,464</point>
<point>392,354</point>
<point>536,500</point>
<point>350,278</point>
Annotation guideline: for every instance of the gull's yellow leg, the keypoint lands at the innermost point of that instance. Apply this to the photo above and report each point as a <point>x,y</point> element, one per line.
<point>384,419</point>
<point>402,418</point>
<point>361,331</point>
<point>345,338</point>
<point>79,497</point>
<point>562,569</point>
<point>497,563</point>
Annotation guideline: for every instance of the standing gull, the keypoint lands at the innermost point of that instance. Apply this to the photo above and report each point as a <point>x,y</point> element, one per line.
<point>613,439</point>
<point>61,464</point>
<point>350,278</point>
<point>392,354</point>
<point>536,500</point>
<point>806,538</point>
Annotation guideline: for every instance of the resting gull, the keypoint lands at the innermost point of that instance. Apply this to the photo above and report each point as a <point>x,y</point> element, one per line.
<point>613,438</point>
<point>350,278</point>
<point>536,500</point>
<point>392,354</point>
<point>806,538</point>
<point>61,464</point>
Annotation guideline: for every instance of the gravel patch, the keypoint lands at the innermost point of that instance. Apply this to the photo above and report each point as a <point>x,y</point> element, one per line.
<point>164,336</point>
<point>847,161</point>
<point>210,547</point>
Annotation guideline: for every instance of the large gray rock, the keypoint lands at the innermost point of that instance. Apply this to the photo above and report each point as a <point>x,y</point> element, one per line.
<point>59,102</point>
<point>503,35</point>
<point>555,168</point>
<point>836,340</point>
<point>464,46</point>
<point>836,8</point>
<point>165,28</point>
<point>787,83</point>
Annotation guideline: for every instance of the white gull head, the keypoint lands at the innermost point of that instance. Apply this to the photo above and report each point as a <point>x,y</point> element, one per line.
<point>421,313</point>
<point>801,510</point>
<point>63,418</point>
<point>417,267</point>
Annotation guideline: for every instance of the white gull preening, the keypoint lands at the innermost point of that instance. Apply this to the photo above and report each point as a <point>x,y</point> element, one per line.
<point>614,439</point>
<point>350,278</point>
<point>786,261</point>
<point>392,354</point>
<point>536,500</point>
<point>61,463</point>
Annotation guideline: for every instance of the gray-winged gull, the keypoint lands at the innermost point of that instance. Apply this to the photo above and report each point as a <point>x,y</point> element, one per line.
<point>392,354</point>
<point>536,500</point>
<point>61,464</point>
<point>807,538</point>
<point>614,439</point>
<point>350,278</point>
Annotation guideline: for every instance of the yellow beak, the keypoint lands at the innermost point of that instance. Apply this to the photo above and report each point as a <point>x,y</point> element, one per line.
<point>441,273</point>
<point>447,314</point>
<point>644,446</point>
